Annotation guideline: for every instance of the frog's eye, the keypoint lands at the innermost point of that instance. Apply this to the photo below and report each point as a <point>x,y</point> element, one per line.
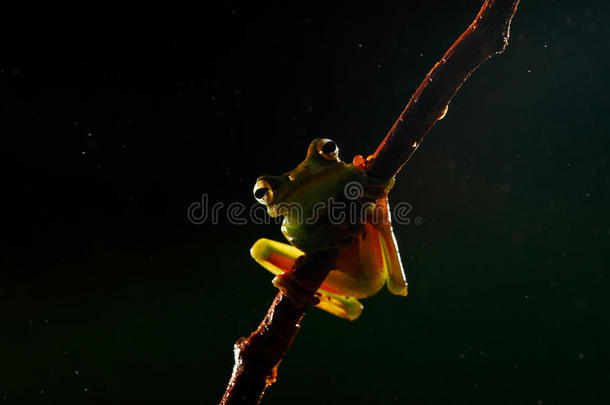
<point>263,192</point>
<point>328,150</point>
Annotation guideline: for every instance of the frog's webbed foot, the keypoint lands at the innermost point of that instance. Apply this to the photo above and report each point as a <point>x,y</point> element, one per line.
<point>344,307</point>
<point>372,188</point>
<point>369,200</point>
<point>375,189</point>
<point>290,286</point>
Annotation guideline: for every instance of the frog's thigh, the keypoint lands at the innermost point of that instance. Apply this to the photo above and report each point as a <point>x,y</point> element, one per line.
<point>280,258</point>
<point>275,256</point>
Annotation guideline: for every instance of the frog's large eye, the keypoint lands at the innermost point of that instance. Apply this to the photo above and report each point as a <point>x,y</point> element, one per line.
<point>263,192</point>
<point>328,149</point>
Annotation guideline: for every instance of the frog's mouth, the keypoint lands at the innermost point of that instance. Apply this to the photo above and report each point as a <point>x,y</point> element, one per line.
<point>288,210</point>
<point>274,210</point>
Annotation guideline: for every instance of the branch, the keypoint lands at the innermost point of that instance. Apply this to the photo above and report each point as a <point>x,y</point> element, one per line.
<point>258,356</point>
<point>486,36</point>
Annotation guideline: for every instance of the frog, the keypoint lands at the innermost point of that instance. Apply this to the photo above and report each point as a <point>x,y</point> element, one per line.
<point>325,203</point>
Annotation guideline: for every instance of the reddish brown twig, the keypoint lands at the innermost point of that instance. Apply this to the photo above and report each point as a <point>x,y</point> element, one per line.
<point>486,36</point>
<point>257,357</point>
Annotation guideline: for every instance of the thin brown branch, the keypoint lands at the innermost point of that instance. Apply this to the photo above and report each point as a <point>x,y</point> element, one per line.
<point>258,356</point>
<point>486,36</point>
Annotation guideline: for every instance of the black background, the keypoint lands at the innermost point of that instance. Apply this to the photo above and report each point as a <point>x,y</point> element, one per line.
<point>116,116</point>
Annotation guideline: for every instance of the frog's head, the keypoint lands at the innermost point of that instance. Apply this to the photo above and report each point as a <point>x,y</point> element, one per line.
<point>305,185</point>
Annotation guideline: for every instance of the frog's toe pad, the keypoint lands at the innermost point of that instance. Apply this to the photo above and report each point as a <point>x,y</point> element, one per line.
<point>344,307</point>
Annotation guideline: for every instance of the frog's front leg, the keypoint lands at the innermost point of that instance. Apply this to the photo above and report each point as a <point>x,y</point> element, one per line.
<point>280,259</point>
<point>373,189</point>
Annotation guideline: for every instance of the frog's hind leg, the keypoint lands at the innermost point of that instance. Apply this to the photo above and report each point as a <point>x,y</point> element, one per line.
<point>396,279</point>
<point>280,258</point>
<point>360,269</point>
<point>274,256</point>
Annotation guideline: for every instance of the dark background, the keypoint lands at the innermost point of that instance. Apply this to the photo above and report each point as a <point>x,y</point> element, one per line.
<point>116,117</point>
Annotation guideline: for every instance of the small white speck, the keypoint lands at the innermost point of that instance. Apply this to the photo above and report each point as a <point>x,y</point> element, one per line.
<point>83,152</point>
<point>89,134</point>
<point>76,372</point>
<point>360,45</point>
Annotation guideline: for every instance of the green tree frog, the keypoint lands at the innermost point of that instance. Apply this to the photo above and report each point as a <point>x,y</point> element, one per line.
<point>326,203</point>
